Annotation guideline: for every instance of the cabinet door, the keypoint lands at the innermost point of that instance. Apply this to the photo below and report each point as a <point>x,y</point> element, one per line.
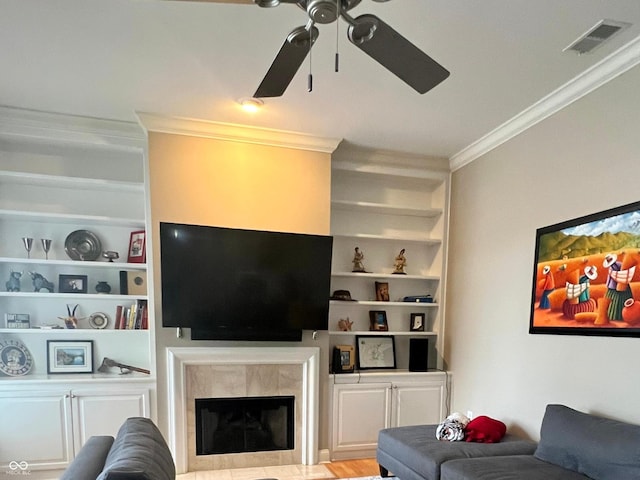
<point>36,428</point>
<point>417,404</point>
<point>102,412</point>
<point>360,411</point>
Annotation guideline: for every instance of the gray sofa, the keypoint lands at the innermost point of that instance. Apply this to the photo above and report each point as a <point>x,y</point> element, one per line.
<point>138,452</point>
<point>573,446</point>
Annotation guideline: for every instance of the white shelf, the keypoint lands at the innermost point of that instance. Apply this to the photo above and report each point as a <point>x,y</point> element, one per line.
<point>374,276</point>
<point>73,296</point>
<point>388,238</point>
<point>418,175</point>
<point>394,333</point>
<point>22,178</point>
<point>74,263</point>
<point>68,331</point>
<point>67,218</point>
<point>386,209</point>
<point>385,304</point>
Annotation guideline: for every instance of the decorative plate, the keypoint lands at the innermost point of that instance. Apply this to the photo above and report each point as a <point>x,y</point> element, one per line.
<point>15,358</point>
<point>99,320</point>
<point>82,245</point>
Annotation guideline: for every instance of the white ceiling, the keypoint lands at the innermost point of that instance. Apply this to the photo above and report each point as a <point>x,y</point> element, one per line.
<point>111,58</point>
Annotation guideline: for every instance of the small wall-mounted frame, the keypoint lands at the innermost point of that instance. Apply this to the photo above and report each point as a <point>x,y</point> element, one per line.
<point>375,351</point>
<point>69,356</point>
<point>72,283</point>
<point>137,247</point>
<point>417,322</point>
<point>382,291</point>
<point>378,321</point>
<point>344,359</point>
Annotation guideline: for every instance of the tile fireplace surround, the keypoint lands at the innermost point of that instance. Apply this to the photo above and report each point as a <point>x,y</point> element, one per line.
<point>242,372</point>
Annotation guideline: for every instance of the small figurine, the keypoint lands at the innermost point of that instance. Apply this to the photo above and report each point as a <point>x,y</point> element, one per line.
<point>345,324</point>
<point>70,320</point>
<point>13,284</point>
<point>39,282</point>
<point>358,266</point>
<point>400,263</point>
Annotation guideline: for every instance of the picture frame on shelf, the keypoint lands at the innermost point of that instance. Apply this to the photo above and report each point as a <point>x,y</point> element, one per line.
<point>72,283</point>
<point>382,291</point>
<point>137,247</point>
<point>378,321</point>
<point>343,359</point>
<point>417,322</point>
<point>69,356</point>
<point>375,352</point>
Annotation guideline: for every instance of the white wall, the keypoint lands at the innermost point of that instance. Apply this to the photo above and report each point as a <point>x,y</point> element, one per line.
<point>582,160</point>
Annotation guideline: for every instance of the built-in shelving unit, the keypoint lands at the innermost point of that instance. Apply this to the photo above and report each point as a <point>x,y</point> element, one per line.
<point>382,207</point>
<point>60,174</point>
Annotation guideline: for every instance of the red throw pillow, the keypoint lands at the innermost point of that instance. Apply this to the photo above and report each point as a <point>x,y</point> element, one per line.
<point>484,429</point>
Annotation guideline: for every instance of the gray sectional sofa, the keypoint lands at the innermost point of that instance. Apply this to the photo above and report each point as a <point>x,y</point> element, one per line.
<point>138,452</point>
<point>573,446</point>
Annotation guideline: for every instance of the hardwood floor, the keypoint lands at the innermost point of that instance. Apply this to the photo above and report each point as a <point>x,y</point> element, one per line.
<point>363,467</point>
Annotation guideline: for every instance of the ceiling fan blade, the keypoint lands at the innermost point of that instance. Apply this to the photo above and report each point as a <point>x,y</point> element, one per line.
<point>291,55</point>
<point>396,53</point>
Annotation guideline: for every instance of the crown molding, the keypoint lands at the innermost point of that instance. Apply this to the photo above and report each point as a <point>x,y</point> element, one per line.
<point>599,74</point>
<point>236,133</point>
<point>70,129</point>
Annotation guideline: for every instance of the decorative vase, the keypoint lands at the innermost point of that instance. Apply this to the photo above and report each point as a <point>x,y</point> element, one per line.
<point>631,311</point>
<point>103,287</point>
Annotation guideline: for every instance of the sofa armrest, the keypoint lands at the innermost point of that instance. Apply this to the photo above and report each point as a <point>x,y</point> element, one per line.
<point>90,459</point>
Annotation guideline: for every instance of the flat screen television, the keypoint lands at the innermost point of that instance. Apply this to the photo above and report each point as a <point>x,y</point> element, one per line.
<point>234,284</point>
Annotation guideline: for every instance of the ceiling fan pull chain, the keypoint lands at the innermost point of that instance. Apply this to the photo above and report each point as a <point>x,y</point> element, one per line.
<point>337,61</point>
<point>310,76</point>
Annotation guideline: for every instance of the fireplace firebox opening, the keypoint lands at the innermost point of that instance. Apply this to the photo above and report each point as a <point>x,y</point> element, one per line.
<point>244,424</point>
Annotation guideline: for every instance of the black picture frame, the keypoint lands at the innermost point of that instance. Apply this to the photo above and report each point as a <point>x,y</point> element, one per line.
<point>378,321</point>
<point>417,322</point>
<point>72,283</point>
<point>375,352</point>
<point>69,356</point>
<point>585,278</point>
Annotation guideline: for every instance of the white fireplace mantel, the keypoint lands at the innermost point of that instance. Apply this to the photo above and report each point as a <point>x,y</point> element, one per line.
<point>178,359</point>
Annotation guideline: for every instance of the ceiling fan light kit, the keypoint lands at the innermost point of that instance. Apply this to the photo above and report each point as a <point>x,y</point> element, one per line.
<point>367,32</point>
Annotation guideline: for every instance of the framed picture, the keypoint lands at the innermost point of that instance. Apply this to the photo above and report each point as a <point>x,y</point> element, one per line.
<point>417,322</point>
<point>378,320</point>
<point>382,291</point>
<point>585,278</point>
<point>137,247</point>
<point>72,283</point>
<point>375,351</point>
<point>69,356</point>
<point>343,359</point>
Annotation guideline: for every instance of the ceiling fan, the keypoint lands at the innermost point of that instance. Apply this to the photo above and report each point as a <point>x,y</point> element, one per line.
<point>367,32</point>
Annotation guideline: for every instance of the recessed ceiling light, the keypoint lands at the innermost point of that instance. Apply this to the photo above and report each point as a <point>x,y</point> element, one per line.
<point>251,104</point>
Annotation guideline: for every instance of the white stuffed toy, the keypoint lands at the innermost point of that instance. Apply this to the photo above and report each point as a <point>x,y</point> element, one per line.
<point>452,428</point>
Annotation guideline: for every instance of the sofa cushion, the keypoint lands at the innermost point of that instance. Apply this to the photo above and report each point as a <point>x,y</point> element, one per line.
<point>90,459</point>
<point>512,467</point>
<point>597,447</point>
<point>139,452</point>
<point>413,451</point>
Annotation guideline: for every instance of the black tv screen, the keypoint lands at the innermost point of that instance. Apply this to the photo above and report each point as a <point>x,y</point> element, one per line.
<point>233,284</point>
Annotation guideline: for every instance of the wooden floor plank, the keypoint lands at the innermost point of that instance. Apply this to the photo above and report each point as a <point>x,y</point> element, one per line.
<point>363,467</point>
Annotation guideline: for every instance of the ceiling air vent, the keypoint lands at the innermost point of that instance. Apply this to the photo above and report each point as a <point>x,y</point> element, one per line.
<point>594,37</point>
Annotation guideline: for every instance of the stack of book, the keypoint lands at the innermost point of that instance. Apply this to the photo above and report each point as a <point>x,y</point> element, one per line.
<point>132,317</point>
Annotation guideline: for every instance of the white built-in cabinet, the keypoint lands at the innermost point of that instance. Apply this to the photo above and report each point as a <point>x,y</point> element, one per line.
<point>382,203</point>
<point>363,406</point>
<point>51,421</point>
<point>60,174</point>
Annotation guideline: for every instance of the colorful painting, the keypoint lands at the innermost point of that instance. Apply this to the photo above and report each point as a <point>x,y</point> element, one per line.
<point>585,279</point>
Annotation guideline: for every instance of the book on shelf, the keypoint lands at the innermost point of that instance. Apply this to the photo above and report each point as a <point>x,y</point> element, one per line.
<point>132,317</point>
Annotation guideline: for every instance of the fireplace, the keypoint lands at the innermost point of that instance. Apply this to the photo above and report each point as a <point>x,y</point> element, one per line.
<point>246,424</point>
<point>223,373</point>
